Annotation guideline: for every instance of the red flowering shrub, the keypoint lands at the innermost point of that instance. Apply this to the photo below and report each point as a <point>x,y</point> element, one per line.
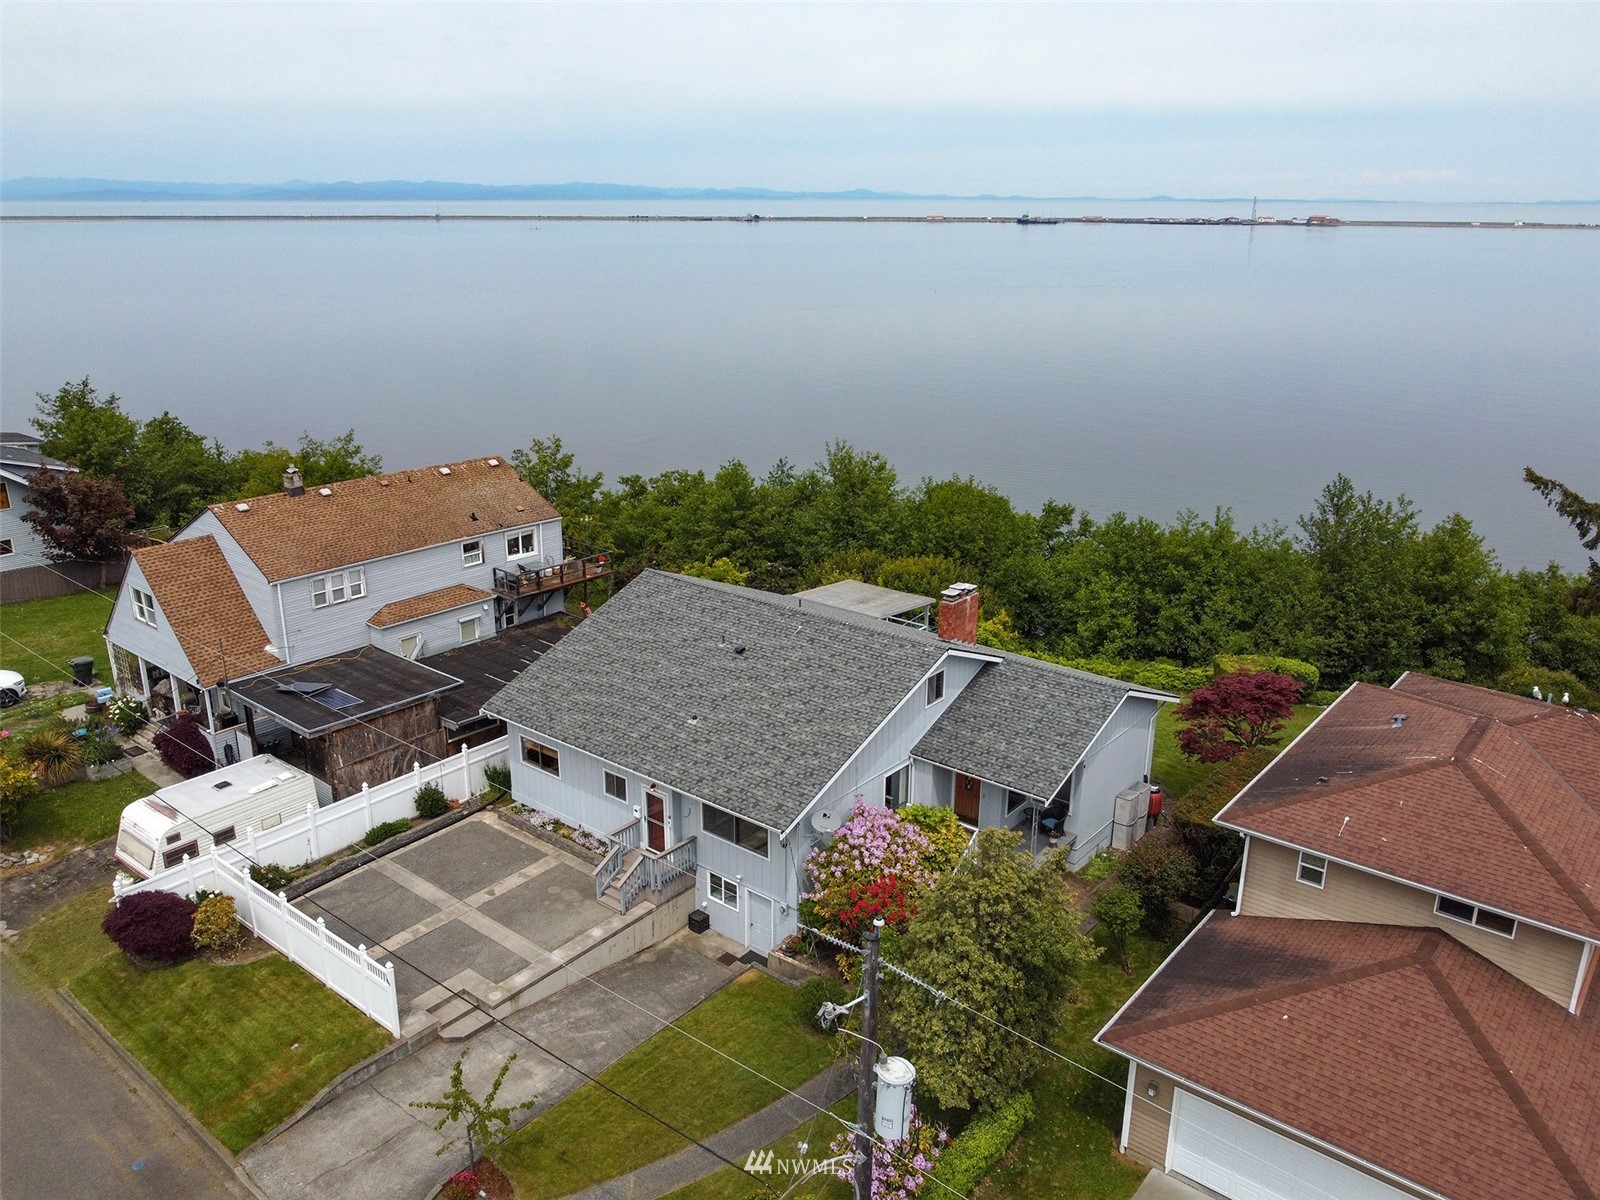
<point>463,1185</point>
<point>154,926</point>
<point>887,897</point>
<point>183,746</point>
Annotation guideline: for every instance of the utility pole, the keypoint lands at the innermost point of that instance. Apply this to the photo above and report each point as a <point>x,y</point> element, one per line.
<point>869,1051</point>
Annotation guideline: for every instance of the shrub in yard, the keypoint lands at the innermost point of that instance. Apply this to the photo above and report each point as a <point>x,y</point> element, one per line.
<point>17,787</point>
<point>1120,914</point>
<point>811,995</point>
<point>947,840</point>
<point>1215,850</point>
<point>152,926</point>
<point>272,877</point>
<point>463,1185</point>
<point>183,746</point>
<point>1234,713</point>
<point>1310,678</point>
<point>903,1168</point>
<point>100,747</point>
<point>498,777</point>
<point>1160,872</point>
<point>217,927</point>
<point>127,713</point>
<point>874,844</point>
<point>1101,866</point>
<point>53,751</point>
<point>968,1158</point>
<point>381,833</point>
<point>431,801</point>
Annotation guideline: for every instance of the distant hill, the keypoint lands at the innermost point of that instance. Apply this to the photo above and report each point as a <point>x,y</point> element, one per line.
<point>33,188</point>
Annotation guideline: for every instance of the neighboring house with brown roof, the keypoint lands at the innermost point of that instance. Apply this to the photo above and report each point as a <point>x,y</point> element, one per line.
<point>1404,1003</point>
<point>413,562</point>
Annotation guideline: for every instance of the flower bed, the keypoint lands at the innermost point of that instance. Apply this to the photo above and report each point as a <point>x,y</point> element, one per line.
<point>547,827</point>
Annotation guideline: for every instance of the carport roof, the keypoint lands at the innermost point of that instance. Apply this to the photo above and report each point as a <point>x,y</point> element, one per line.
<point>318,697</point>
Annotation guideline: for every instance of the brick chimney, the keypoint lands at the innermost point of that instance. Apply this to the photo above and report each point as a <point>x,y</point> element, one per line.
<point>958,613</point>
<point>292,484</point>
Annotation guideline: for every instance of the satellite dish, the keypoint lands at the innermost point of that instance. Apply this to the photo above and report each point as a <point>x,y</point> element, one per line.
<point>826,820</point>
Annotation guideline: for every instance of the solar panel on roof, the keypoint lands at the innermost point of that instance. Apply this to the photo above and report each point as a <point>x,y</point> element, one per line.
<point>336,699</point>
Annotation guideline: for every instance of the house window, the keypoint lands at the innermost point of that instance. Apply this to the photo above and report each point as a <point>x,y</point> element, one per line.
<point>144,607</point>
<point>1313,869</point>
<point>469,629</point>
<point>722,890</point>
<point>540,756</point>
<point>5,495</point>
<point>1471,914</point>
<point>1015,800</point>
<point>471,554</point>
<point>411,645</point>
<point>338,587</point>
<point>616,786</point>
<point>734,829</point>
<point>6,547</point>
<point>522,545</point>
<point>935,687</point>
<point>895,787</point>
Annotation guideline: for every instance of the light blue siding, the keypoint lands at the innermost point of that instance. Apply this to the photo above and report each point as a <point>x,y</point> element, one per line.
<point>257,591</point>
<point>439,631</point>
<point>26,545</point>
<point>155,644</point>
<point>578,794</point>
<point>1118,758</point>
<point>313,633</point>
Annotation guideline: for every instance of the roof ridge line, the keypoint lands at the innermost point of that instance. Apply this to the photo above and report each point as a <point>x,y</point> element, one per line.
<point>1515,731</point>
<point>1504,1076</point>
<point>1532,844</point>
<point>1317,793</point>
<point>1282,992</point>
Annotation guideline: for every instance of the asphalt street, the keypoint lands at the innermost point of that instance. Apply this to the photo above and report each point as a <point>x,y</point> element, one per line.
<point>73,1124</point>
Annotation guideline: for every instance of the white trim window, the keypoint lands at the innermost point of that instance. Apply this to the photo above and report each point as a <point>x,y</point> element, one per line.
<point>1471,914</point>
<point>722,889</point>
<point>144,606</point>
<point>338,586</point>
<point>472,553</point>
<point>546,758</point>
<point>411,645</point>
<point>935,688</point>
<point>617,786</point>
<point>522,545</point>
<point>1313,870</point>
<point>471,629</point>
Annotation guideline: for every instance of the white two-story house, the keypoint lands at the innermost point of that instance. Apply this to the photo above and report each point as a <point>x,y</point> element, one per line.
<point>1403,1004</point>
<point>725,732</point>
<point>411,562</point>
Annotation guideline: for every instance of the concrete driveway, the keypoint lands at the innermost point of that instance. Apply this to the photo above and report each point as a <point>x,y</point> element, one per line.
<point>370,1142</point>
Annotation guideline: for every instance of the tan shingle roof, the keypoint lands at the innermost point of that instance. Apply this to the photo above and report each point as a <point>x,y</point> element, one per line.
<point>1490,797</point>
<point>199,598</point>
<point>427,604</point>
<point>1398,1046</point>
<point>363,519</point>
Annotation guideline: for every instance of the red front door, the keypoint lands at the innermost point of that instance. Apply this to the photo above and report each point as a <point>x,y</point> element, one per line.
<point>655,812</point>
<point>968,790</point>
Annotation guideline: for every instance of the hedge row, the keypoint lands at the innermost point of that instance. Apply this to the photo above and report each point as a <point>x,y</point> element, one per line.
<point>1308,675</point>
<point>973,1151</point>
<point>1213,848</point>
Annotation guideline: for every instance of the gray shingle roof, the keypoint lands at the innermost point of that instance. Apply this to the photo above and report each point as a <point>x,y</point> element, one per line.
<point>1022,724</point>
<point>770,726</point>
<point>655,683</point>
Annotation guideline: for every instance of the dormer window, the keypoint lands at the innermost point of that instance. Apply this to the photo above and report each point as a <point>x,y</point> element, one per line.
<point>1471,914</point>
<point>144,607</point>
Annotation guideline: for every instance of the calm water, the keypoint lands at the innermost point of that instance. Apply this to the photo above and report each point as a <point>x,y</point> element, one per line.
<point>1146,369</point>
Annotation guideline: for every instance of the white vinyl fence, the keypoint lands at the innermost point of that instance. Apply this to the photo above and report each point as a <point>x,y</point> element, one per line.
<point>345,968</point>
<point>321,831</point>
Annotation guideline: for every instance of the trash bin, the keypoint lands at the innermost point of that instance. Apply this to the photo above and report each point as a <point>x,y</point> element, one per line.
<point>699,921</point>
<point>82,670</point>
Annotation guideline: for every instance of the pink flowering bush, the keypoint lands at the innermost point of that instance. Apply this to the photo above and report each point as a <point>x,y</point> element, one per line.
<point>900,1170</point>
<point>873,845</point>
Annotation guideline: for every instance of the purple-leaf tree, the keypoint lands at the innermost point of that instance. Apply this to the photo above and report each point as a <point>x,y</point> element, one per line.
<point>1234,712</point>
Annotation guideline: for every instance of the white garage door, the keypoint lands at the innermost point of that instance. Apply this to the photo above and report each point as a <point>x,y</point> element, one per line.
<point>1246,1161</point>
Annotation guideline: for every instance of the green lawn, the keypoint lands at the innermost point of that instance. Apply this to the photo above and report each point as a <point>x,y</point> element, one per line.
<point>1178,774</point>
<point>38,636</point>
<point>76,813</point>
<point>592,1135</point>
<point>240,1047</point>
<point>809,1141</point>
<point>1069,1149</point>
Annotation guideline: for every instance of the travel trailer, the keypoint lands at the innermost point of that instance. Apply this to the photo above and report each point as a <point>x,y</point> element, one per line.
<point>192,817</point>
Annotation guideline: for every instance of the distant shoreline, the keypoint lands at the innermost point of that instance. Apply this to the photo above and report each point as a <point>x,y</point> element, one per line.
<point>759,219</point>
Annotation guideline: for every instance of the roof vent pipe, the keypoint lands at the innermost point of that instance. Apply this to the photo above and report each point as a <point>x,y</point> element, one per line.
<point>1399,720</point>
<point>293,485</point>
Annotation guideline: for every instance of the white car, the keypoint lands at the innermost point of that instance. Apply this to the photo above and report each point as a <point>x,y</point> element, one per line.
<point>12,689</point>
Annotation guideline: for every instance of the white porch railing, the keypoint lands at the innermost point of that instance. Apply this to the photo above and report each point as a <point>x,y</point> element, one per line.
<point>321,831</point>
<point>344,968</point>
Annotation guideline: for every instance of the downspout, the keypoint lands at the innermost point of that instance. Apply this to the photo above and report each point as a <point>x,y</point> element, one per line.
<point>283,625</point>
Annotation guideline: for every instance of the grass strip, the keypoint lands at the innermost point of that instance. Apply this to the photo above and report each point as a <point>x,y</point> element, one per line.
<point>41,635</point>
<point>809,1141</point>
<point>76,813</point>
<point>592,1136</point>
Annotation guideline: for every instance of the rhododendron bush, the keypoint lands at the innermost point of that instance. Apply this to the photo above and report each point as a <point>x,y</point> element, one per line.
<point>876,866</point>
<point>900,1169</point>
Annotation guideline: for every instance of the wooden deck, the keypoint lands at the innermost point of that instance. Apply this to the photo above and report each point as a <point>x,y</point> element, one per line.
<point>517,582</point>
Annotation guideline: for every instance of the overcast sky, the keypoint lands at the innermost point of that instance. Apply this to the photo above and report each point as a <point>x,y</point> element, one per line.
<point>1387,101</point>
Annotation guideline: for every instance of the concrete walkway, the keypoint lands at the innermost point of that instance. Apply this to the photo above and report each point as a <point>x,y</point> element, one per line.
<point>370,1142</point>
<point>734,1143</point>
<point>1158,1185</point>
